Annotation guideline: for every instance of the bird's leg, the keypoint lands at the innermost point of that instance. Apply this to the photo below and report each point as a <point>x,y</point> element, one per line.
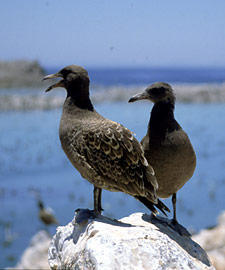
<point>174,223</point>
<point>100,200</point>
<point>174,202</point>
<point>97,200</point>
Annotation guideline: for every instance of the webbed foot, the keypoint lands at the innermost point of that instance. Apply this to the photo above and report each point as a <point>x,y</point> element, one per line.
<point>178,228</point>
<point>83,215</point>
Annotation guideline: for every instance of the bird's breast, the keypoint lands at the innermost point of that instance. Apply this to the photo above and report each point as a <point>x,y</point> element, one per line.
<point>173,161</point>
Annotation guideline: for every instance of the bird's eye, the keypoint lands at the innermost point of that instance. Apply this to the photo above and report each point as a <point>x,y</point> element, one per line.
<point>65,73</point>
<point>157,91</point>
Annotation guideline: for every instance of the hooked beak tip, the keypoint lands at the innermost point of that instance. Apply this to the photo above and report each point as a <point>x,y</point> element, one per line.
<point>132,99</point>
<point>139,96</point>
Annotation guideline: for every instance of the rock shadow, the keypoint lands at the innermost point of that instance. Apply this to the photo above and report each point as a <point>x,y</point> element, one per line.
<point>83,216</point>
<point>191,247</point>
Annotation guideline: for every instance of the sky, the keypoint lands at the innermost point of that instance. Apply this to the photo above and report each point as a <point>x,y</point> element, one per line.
<point>114,33</point>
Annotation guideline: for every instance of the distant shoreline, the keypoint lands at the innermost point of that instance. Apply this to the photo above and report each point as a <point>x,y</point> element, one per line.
<point>20,73</point>
<point>21,86</point>
<point>23,73</point>
<point>36,98</point>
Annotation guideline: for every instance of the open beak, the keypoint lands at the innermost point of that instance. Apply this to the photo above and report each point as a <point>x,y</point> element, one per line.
<point>58,84</point>
<point>139,96</point>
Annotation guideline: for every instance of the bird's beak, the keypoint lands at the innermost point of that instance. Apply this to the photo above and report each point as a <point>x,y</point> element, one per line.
<point>139,96</point>
<point>58,84</point>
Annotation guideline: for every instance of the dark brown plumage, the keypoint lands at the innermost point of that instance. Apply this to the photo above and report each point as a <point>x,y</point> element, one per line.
<point>104,152</point>
<point>167,147</point>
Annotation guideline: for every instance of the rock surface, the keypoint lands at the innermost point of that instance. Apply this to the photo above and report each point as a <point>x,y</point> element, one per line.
<point>135,242</point>
<point>36,255</point>
<point>213,241</point>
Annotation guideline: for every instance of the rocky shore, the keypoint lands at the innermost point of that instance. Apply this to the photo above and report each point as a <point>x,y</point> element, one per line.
<point>21,88</point>
<point>22,73</point>
<point>29,99</point>
<point>211,240</point>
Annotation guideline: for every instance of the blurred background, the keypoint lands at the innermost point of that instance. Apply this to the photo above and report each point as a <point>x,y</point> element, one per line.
<point>125,46</point>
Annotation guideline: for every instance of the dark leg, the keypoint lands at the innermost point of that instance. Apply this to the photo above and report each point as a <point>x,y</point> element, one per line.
<point>174,223</point>
<point>97,200</point>
<point>174,201</point>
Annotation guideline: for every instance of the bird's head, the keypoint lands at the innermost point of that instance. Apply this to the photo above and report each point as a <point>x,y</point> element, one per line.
<point>71,75</point>
<point>157,92</point>
<point>40,204</point>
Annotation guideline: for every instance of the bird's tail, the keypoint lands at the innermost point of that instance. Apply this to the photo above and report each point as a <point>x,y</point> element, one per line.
<point>151,206</point>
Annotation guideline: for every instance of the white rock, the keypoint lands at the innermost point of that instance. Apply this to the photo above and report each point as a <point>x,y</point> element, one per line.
<point>136,242</point>
<point>36,255</point>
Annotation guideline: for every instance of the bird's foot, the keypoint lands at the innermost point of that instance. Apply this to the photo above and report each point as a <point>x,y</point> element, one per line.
<point>178,228</point>
<point>83,215</point>
<point>157,219</point>
<point>173,224</point>
<point>97,212</point>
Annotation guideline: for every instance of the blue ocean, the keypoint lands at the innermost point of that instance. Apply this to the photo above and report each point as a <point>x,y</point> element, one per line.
<point>140,76</point>
<point>32,161</point>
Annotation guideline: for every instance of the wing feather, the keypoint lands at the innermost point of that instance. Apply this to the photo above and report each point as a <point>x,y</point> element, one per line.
<point>114,153</point>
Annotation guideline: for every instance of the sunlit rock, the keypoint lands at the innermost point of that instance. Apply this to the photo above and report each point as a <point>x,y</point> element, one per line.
<point>135,242</point>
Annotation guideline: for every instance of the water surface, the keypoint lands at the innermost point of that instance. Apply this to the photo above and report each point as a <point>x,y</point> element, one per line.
<point>31,159</point>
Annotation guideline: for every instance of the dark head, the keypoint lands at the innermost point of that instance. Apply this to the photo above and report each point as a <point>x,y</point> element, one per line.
<point>40,205</point>
<point>71,75</point>
<point>157,92</point>
<point>76,81</point>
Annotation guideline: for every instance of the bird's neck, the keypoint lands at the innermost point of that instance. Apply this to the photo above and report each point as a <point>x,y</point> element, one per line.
<point>79,96</point>
<point>162,121</point>
<point>41,206</point>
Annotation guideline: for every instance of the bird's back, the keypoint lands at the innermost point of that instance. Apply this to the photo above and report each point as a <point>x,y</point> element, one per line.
<point>105,153</point>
